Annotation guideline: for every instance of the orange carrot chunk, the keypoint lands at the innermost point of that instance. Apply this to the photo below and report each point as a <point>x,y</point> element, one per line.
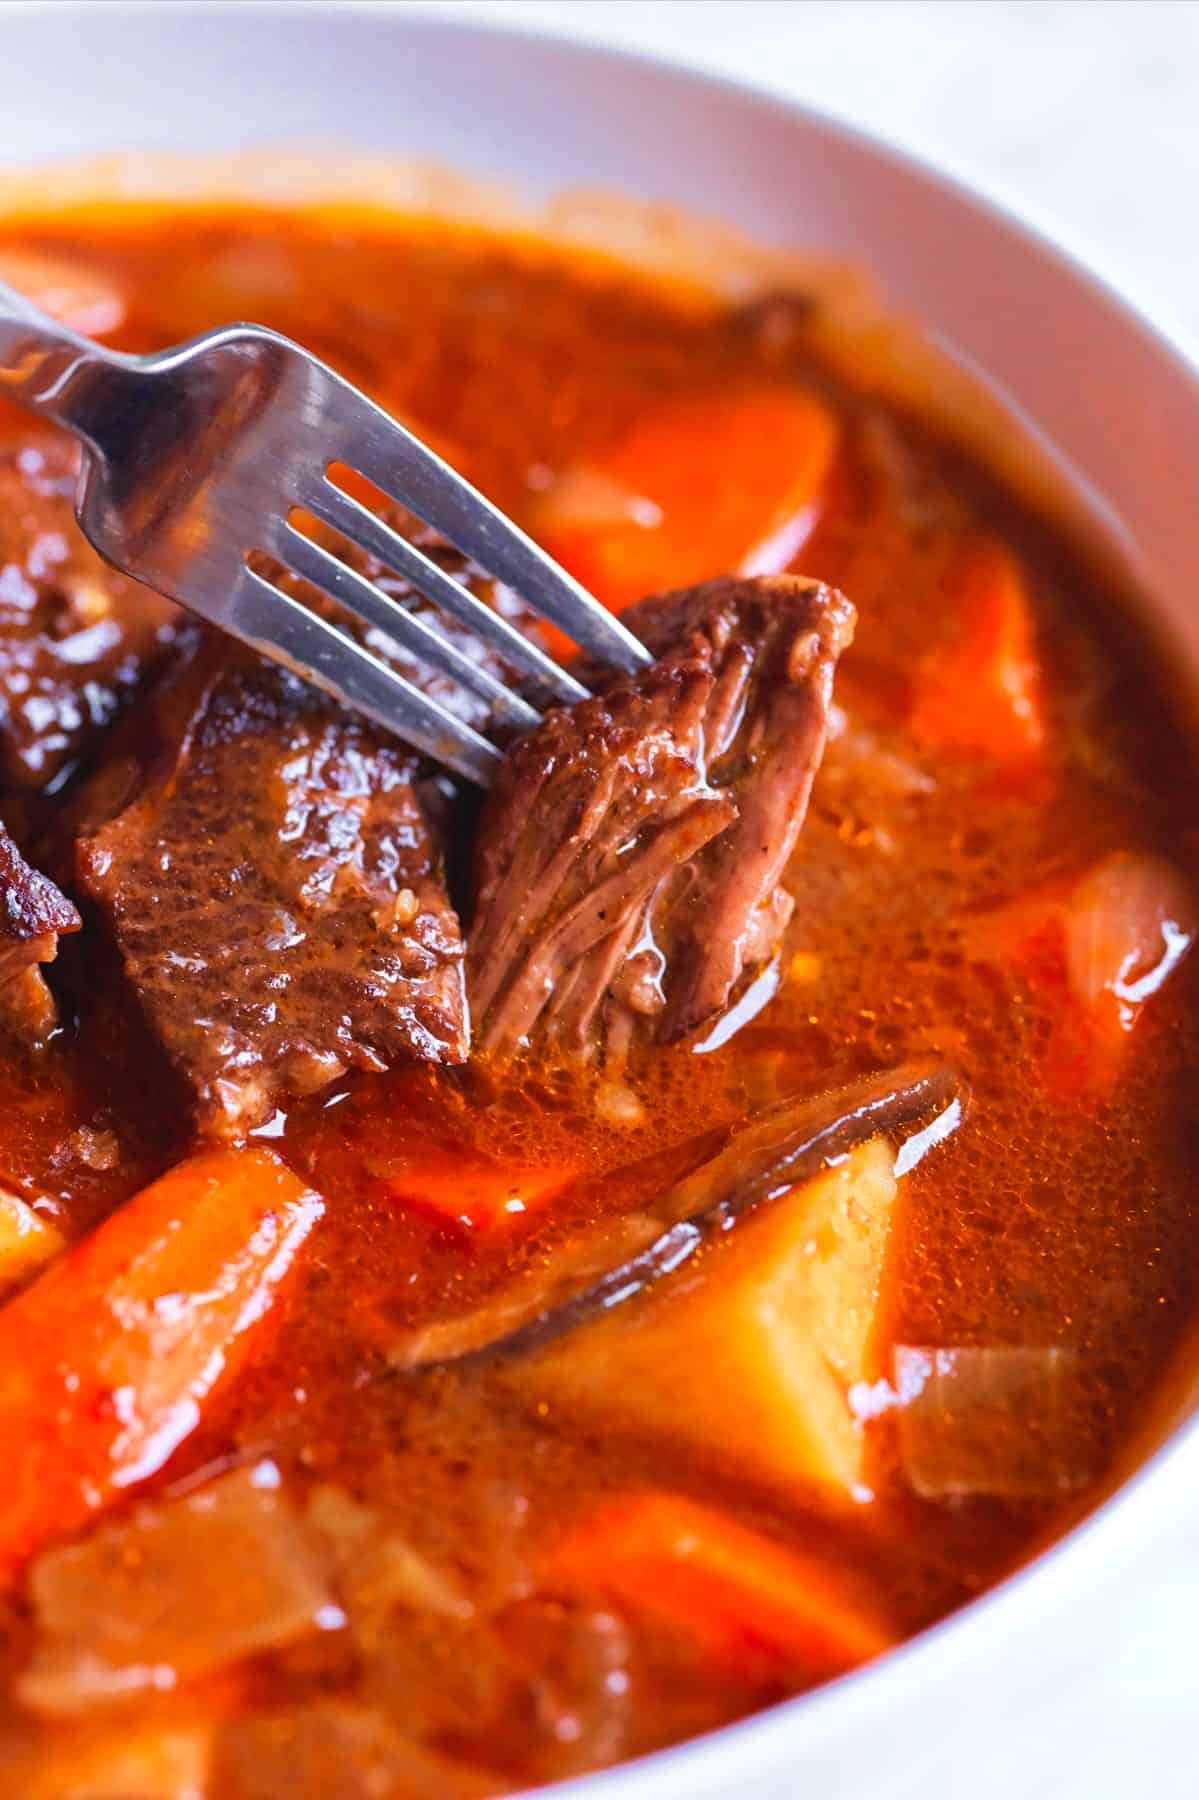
<point>458,1187</point>
<point>980,694</point>
<point>108,1361</point>
<point>743,1602</point>
<point>710,484</point>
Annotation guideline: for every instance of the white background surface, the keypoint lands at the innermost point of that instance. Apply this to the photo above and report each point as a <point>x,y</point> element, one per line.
<point>1085,110</point>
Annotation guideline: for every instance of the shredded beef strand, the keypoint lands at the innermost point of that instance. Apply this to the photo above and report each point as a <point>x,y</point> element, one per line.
<point>33,916</point>
<point>581,937</point>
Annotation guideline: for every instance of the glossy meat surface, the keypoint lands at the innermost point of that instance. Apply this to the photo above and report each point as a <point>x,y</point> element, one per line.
<point>271,884</point>
<point>76,638</point>
<point>33,916</point>
<point>631,852</point>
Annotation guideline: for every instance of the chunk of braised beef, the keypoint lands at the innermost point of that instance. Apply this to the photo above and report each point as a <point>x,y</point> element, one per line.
<point>631,853</point>
<point>33,916</point>
<point>76,638</point>
<point>272,887</point>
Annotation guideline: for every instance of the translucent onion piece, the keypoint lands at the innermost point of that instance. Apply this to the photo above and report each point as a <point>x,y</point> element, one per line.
<point>578,1658</point>
<point>1129,923</point>
<point>172,1593</point>
<point>431,1664</point>
<point>331,1750</point>
<point>161,1761</point>
<point>376,1569</point>
<point>1009,1423</point>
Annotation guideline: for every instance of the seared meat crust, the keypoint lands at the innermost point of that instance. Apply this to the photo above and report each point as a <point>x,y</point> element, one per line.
<point>272,887</point>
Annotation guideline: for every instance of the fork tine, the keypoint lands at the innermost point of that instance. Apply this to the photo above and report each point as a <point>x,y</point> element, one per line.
<point>271,622</point>
<point>362,597</point>
<point>356,522</point>
<point>394,460</point>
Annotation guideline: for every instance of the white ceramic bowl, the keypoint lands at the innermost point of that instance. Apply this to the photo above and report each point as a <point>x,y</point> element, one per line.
<point>1074,1675</point>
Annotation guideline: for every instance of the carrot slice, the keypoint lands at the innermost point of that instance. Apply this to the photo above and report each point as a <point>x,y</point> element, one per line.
<point>744,1602</point>
<point>456,1187</point>
<point>108,1360</point>
<point>981,694</point>
<point>705,485</point>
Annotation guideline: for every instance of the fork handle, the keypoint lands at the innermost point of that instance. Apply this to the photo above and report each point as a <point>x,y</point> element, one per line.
<point>44,365</point>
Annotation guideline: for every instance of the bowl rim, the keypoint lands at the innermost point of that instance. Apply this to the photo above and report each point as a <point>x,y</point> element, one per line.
<point>715,1759</point>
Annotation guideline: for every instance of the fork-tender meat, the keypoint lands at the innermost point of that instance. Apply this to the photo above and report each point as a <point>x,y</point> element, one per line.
<point>272,887</point>
<point>631,852</point>
<point>33,916</point>
<point>76,638</point>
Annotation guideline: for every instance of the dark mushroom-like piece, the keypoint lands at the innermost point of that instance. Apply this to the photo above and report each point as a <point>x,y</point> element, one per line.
<point>609,1262</point>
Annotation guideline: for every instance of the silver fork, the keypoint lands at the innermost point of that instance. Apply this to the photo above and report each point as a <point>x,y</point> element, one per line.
<point>195,457</point>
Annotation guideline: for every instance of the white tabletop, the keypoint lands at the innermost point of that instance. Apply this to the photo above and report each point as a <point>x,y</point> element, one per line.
<point>1086,111</point>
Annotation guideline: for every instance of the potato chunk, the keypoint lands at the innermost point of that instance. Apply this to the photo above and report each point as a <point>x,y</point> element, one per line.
<point>26,1240</point>
<point>748,1355</point>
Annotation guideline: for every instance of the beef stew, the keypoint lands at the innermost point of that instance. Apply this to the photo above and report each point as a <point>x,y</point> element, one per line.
<point>492,1287</point>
